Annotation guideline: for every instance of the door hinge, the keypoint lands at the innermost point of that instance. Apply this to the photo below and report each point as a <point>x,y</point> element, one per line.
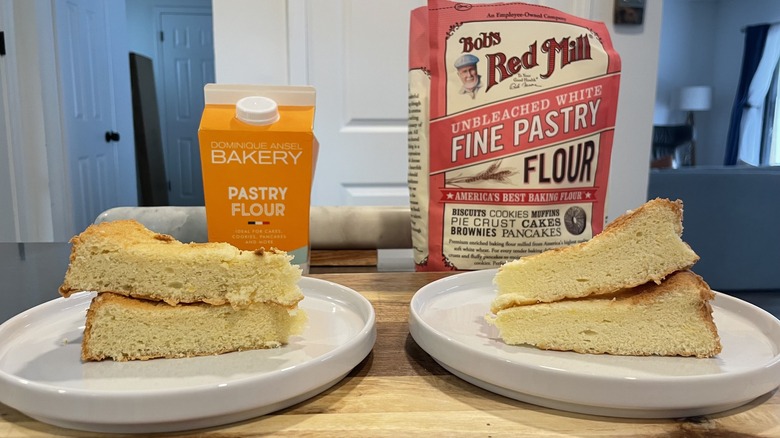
<point>2,43</point>
<point>162,37</point>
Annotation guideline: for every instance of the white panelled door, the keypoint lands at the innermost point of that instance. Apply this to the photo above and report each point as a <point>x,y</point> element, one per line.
<point>187,64</point>
<point>361,118</point>
<point>95,93</point>
<point>355,53</point>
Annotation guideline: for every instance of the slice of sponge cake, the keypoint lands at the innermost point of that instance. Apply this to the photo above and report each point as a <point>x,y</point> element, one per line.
<point>122,328</point>
<point>126,258</point>
<point>642,245</point>
<point>673,318</point>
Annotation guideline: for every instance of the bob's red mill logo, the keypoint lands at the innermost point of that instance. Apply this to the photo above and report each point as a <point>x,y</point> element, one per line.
<point>500,66</point>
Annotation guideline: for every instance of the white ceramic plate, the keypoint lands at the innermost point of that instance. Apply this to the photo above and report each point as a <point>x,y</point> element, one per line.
<point>42,376</point>
<point>448,321</point>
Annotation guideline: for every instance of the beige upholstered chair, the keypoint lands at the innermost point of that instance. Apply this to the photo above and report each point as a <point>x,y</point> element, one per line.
<point>187,224</point>
<point>386,230</point>
<point>332,227</point>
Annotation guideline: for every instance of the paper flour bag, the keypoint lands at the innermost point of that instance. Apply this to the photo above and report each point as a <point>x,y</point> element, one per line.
<point>512,113</point>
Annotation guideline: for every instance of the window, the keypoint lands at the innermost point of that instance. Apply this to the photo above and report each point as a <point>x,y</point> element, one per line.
<point>770,136</point>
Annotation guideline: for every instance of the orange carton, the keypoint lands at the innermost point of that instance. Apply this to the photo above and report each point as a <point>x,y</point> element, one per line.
<point>258,152</point>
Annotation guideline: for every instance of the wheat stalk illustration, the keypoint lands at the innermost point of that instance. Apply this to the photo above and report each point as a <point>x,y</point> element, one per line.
<point>492,173</point>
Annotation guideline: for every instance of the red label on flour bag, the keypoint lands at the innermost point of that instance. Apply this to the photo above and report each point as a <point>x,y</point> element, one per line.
<point>512,113</point>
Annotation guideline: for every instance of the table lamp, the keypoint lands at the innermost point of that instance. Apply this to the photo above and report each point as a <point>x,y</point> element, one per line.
<point>692,99</point>
<point>698,98</point>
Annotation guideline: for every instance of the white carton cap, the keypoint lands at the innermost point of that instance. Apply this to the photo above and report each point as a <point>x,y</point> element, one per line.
<point>257,110</point>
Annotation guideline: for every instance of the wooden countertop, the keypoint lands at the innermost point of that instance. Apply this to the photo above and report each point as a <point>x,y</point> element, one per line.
<point>399,390</point>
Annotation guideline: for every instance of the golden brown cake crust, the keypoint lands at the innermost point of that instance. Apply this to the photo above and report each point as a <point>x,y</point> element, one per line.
<point>621,222</point>
<point>580,270</point>
<point>675,206</point>
<point>126,258</point>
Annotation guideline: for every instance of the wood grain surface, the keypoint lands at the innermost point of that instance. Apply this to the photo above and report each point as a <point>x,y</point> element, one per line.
<point>344,258</point>
<point>399,391</point>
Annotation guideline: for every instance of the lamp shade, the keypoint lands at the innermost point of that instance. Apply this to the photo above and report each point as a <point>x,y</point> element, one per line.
<point>697,98</point>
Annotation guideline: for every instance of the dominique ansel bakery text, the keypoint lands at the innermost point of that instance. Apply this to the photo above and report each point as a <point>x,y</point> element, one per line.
<point>256,200</point>
<point>531,121</point>
<point>249,152</point>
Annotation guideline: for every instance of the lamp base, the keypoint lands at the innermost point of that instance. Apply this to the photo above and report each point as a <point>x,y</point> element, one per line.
<point>690,157</point>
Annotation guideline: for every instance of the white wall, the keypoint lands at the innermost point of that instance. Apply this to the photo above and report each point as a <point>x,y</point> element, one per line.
<point>683,60</point>
<point>638,47</point>
<point>237,28</point>
<point>8,220</point>
<point>25,193</point>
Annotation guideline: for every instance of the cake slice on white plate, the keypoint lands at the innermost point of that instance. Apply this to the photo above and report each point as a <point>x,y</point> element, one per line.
<point>161,298</point>
<point>640,246</point>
